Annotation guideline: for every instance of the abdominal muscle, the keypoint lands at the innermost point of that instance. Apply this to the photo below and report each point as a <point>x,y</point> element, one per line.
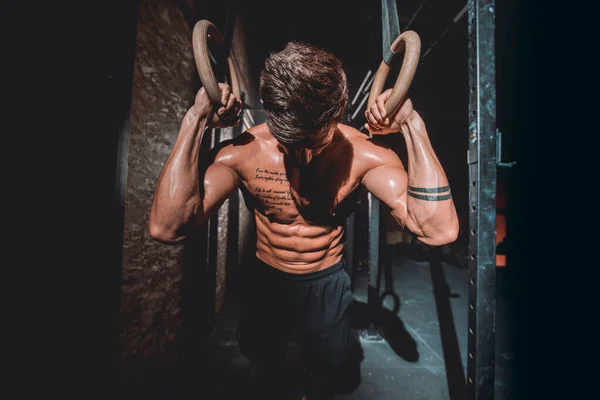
<point>297,247</point>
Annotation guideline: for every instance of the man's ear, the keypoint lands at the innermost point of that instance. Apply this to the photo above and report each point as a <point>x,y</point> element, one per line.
<point>283,148</point>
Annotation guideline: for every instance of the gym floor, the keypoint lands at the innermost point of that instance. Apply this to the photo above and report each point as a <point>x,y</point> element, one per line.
<point>416,353</point>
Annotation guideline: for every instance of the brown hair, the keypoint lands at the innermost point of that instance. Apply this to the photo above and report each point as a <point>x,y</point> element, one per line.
<point>303,90</point>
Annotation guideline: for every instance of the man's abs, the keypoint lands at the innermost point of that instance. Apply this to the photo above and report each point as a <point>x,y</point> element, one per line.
<point>298,247</point>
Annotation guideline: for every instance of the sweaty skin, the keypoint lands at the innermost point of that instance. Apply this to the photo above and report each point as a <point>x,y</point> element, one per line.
<point>300,197</point>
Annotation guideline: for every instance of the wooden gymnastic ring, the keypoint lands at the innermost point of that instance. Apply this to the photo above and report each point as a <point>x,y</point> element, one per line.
<point>410,43</point>
<point>203,30</point>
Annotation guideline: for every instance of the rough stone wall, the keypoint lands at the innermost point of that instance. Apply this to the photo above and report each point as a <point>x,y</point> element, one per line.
<point>164,85</point>
<point>170,293</point>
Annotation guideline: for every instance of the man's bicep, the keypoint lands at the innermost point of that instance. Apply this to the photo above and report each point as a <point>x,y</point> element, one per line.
<point>388,182</point>
<point>219,182</point>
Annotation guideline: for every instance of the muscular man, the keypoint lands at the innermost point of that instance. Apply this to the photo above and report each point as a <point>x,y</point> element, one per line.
<point>299,173</point>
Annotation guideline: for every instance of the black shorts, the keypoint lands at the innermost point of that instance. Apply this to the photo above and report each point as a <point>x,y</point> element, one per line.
<point>275,303</point>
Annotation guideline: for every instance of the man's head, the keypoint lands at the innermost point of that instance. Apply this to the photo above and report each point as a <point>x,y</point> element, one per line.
<point>304,94</point>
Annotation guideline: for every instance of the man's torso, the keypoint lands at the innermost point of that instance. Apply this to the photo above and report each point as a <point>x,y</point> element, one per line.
<point>299,212</point>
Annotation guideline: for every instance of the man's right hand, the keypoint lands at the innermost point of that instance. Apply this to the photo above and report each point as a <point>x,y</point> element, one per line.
<point>225,116</point>
<point>378,123</point>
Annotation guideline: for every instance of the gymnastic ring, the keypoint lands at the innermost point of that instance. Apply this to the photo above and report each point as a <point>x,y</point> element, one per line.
<point>410,43</point>
<point>395,298</point>
<point>203,30</point>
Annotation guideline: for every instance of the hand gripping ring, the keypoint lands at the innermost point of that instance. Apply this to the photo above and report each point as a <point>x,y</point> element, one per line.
<point>203,30</point>
<point>410,43</point>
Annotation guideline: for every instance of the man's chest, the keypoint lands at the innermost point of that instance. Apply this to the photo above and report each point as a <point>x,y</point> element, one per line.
<point>284,193</point>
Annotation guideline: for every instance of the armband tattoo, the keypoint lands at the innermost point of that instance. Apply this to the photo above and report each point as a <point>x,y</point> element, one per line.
<point>414,192</point>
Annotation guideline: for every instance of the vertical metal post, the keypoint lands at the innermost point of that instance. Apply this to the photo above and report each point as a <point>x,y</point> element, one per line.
<point>373,240</point>
<point>349,248</point>
<point>212,243</point>
<point>373,302</point>
<point>482,200</point>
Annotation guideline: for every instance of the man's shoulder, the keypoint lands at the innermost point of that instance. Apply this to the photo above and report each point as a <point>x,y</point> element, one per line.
<point>368,151</point>
<point>351,133</point>
<point>239,149</point>
<point>361,142</point>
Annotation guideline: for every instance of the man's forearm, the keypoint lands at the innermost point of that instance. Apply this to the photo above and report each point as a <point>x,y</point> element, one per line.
<point>177,195</point>
<point>429,201</point>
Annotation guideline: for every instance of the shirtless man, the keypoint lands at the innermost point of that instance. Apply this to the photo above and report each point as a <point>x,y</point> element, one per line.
<point>299,173</point>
